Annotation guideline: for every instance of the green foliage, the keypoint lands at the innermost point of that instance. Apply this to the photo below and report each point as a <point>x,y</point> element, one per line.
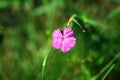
<point>26,52</point>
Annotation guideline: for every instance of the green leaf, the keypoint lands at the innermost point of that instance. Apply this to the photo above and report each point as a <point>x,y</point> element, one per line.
<point>75,21</point>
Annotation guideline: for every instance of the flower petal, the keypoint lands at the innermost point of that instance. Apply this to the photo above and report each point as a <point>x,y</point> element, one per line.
<point>65,47</point>
<point>71,41</point>
<point>67,32</point>
<point>57,34</point>
<point>57,43</point>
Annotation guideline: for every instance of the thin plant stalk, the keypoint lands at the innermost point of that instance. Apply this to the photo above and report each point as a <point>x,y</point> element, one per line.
<point>110,69</point>
<point>44,62</point>
<point>107,66</point>
<point>48,50</point>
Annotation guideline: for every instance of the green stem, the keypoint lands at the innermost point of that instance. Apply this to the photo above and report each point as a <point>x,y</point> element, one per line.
<point>49,48</point>
<point>44,62</point>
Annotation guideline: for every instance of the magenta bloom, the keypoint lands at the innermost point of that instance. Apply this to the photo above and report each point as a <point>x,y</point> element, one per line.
<point>63,40</point>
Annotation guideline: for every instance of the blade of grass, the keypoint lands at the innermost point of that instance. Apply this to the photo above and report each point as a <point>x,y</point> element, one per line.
<point>109,70</point>
<point>44,62</point>
<point>75,21</point>
<point>49,49</point>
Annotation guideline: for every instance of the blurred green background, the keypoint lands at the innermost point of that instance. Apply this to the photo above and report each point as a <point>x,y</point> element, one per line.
<point>26,52</point>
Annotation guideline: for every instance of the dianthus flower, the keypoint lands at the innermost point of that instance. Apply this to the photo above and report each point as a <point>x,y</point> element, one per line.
<point>63,40</point>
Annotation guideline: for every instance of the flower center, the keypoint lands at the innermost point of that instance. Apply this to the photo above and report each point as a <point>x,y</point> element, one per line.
<point>61,32</point>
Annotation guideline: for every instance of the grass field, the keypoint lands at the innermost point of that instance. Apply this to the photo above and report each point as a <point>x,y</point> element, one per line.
<point>26,51</point>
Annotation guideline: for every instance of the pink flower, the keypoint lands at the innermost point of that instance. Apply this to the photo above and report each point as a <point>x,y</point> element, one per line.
<point>63,40</point>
